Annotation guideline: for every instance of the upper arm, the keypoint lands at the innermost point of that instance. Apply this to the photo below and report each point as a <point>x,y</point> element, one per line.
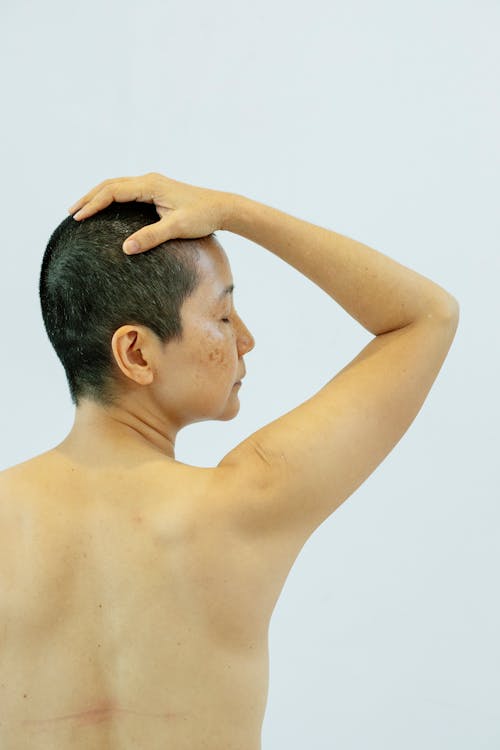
<point>290,475</point>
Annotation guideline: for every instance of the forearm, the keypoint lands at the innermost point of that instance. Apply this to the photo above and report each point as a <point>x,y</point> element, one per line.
<point>377,291</point>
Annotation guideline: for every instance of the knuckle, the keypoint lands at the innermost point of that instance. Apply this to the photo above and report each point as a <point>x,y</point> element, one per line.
<point>107,193</point>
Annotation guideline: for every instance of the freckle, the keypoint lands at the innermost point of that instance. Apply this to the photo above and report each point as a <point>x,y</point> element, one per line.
<point>25,695</point>
<point>217,355</point>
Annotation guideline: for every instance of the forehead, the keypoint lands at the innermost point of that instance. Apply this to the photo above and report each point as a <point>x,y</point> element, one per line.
<point>214,269</point>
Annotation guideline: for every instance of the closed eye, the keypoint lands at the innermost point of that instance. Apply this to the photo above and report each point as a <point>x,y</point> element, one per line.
<point>226,320</point>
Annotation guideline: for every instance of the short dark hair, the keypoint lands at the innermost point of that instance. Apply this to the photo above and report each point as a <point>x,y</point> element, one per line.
<point>89,288</point>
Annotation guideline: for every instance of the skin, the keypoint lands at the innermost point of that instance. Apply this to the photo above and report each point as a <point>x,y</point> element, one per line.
<point>144,613</point>
<point>167,387</point>
<point>137,591</point>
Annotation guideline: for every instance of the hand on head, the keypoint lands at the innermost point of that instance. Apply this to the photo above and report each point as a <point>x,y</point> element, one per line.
<point>185,211</point>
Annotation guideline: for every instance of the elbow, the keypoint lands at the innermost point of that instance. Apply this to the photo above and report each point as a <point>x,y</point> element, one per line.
<point>446,308</point>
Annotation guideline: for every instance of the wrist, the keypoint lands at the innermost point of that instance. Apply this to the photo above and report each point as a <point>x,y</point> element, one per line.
<point>230,210</point>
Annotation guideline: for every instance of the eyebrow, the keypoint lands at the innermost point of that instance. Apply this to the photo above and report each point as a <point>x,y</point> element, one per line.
<point>228,290</point>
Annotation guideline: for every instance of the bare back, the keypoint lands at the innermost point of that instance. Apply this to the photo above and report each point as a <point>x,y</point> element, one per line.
<point>135,602</point>
<point>131,614</point>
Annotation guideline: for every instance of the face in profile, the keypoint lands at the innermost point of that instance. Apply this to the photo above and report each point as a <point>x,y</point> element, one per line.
<point>195,379</point>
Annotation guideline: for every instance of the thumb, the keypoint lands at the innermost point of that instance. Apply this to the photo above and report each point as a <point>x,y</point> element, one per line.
<point>148,237</point>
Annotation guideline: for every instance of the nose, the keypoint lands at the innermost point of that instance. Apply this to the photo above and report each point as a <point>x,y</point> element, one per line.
<point>246,341</point>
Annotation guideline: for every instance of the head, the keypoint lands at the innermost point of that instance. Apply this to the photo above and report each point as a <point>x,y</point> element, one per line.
<point>153,331</point>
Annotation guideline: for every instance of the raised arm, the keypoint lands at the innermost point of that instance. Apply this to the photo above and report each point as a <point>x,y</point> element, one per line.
<point>288,477</point>
<point>377,291</point>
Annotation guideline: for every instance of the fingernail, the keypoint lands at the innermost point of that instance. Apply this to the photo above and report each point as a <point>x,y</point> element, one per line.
<point>78,214</point>
<point>130,247</point>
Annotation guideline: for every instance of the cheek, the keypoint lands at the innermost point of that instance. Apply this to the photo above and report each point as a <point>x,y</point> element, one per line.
<point>218,351</point>
<point>217,355</point>
<point>220,359</point>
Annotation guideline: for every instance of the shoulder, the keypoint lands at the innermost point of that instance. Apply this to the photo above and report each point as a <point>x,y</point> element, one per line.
<point>15,482</point>
<point>29,468</point>
<point>30,479</point>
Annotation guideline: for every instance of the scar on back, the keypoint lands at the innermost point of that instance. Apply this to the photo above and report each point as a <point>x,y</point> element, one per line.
<point>96,715</point>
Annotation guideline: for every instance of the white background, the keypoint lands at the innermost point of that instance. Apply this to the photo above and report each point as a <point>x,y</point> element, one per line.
<point>381,121</point>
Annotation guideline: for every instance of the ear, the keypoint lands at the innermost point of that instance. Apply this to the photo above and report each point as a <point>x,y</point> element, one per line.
<point>133,350</point>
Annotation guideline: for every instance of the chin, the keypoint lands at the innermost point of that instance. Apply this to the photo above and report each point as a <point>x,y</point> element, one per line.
<point>230,412</point>
<point>226,418</point>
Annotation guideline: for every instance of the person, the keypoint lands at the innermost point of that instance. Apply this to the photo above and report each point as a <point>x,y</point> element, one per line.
<point>138,589</point>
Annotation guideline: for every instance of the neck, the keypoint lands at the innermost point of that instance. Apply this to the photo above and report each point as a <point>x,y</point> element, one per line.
<point>108,433</point>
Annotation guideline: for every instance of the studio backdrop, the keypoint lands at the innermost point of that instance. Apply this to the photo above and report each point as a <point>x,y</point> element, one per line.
<point>380,121</point>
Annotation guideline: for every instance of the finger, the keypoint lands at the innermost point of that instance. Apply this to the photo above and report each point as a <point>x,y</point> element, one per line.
<point>150,236</point>
<point>120,191</point>
<point>88,196</point>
